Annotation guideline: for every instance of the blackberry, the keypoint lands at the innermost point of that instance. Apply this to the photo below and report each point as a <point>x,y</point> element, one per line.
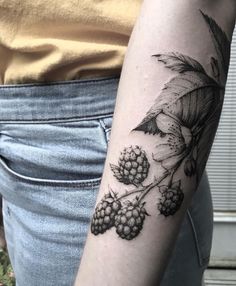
<point>104,215</point>
<point>171,199</point>
<point>129,220</point>
<point>133,166</point>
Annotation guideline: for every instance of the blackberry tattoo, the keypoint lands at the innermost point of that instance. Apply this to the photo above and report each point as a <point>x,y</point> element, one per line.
<point>129,219</point>
<point>183,121</point>
<point>133,166</point>
<point>105,212</point>
<point>171,199</point>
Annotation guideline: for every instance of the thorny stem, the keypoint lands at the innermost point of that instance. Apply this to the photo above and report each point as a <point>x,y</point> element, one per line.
<point>145,189</point>
<point>174,171</point>
<point>133,192</point>
<point>153,185</point>
<point>171,177</point>
<point>158,181</point>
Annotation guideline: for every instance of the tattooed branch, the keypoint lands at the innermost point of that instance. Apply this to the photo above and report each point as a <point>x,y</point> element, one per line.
<point>182,122</point>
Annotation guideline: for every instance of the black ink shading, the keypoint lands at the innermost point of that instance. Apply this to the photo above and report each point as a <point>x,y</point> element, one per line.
<point>129,219</point>
<point>221,43</point>
<point>105,212</point>
<point>183,119</point>
<point>186,113</point>
<point>171,199</point>
<point>132,167</point>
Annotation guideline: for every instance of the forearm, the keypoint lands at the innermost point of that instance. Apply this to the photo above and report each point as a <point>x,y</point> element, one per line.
<point>167,131</point>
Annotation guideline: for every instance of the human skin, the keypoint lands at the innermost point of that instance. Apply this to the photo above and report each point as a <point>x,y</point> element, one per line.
<point>173,43</point>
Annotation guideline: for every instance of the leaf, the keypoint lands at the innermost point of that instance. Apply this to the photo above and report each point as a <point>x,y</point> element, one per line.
<point>116,172</point>
<point>179,62</point>
<point>206,140</point>
<point>188,97</point>
<point>220,40</point>
<point>148,125</point>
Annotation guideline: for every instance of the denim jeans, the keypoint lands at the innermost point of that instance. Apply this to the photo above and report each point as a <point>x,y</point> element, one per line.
<point>53,144</point>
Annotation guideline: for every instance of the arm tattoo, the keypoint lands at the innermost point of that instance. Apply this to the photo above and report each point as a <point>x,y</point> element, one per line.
<point>183,121</point>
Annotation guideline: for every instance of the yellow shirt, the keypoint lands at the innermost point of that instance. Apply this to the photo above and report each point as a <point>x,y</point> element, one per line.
<point>48,40</point>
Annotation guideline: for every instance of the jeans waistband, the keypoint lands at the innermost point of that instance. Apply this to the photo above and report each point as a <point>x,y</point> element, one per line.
<point>56,101</point>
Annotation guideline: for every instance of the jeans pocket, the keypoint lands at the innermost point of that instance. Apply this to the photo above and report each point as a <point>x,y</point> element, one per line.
<point>49,179</point>
<point>46,168</point>
<point>46,225</point>
<point>106,124</point>
<point>63,151</point>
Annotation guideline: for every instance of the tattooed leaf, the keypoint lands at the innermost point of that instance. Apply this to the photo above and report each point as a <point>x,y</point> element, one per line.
<point>179,62</point>
<point>188,98</point>
<point>220,40</point>
<point>116,171</point>
<point>206,139</point>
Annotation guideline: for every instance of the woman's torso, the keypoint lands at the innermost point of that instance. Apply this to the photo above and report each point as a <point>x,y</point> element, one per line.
<point>63,40</point>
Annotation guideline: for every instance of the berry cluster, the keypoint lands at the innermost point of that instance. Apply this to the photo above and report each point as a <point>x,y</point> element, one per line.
<point>128,217</point>
<point>129,220</point>
<point>171,199</point>
<point>133,166</point>
<point>105,212</point>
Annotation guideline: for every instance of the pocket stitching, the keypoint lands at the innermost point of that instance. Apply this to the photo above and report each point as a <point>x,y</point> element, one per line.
<point>57,183</point>
<point>106,130</point>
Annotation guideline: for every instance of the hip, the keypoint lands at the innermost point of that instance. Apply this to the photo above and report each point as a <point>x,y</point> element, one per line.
<point>53,145</point>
